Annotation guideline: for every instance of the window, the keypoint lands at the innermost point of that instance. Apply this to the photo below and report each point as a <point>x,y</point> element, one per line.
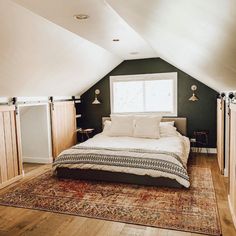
<point>145,93</point>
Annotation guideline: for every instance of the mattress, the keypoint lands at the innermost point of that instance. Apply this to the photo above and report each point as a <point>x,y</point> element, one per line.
<point>165,157</point>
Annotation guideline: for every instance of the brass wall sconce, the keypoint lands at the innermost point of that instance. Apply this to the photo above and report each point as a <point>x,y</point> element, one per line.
<point>96,101</point>
<point>193,98</point>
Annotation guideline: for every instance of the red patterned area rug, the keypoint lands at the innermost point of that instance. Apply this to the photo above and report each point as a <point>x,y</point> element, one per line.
<point>193,210</point>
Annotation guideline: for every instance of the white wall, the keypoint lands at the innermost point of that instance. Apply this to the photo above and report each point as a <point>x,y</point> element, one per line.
<point>35,133</point>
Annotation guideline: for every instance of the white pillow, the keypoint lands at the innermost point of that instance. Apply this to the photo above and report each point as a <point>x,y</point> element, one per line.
<point>107,127</point>
<point>147,126</point>
<point>121,125</point>
<point>172,123</point>
<point>167,130</point>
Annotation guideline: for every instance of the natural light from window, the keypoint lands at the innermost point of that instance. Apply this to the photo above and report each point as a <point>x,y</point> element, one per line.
<point>148,93</point>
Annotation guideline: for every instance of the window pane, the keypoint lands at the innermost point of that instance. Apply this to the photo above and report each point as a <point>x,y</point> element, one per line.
<point>128,96</point>
<point>159,95</point>
<point>155,93</point>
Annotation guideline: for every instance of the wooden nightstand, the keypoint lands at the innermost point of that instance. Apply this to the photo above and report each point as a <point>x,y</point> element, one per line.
<point>85,133</point>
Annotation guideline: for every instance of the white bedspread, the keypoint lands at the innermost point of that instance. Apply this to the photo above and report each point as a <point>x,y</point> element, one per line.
<point>177,144</point>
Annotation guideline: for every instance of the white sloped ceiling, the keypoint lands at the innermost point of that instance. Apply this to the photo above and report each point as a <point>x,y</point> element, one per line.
<point>40,58</point>
<point>102,26</point>
<point>197,36</point>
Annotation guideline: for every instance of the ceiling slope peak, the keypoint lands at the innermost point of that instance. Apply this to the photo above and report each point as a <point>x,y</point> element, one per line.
<point>96,22</point>
<point>196,36</point>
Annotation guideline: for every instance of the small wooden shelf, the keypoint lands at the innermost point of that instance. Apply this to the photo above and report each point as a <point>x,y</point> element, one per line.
<point>78,129</point>
<point>84,133</point>
<point>88,130</point>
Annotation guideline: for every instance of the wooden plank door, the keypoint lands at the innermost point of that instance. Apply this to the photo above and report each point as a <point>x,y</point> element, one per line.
<point>220,133</point>
<point>232,163</point>
<point>10,145</point>
<point>63,126</point>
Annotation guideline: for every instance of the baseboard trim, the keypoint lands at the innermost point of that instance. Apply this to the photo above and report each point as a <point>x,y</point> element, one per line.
<point>39,160</point>
<point>204,150</point>
<point>232,213</point>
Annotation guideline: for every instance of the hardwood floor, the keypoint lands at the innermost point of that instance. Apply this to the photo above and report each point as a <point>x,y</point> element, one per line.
<point>30,166</point>
<point>18,221</point>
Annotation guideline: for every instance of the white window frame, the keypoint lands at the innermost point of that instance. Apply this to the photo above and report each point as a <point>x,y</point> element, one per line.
<point>155,76</point>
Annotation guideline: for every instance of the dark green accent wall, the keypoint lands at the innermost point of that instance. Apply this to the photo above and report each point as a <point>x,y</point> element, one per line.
<point>201,115</point>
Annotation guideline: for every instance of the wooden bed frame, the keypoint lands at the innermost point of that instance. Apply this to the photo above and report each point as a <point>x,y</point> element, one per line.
<point>108,176</point>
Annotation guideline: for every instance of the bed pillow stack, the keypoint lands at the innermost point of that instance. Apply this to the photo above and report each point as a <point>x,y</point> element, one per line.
<point>133,126</point>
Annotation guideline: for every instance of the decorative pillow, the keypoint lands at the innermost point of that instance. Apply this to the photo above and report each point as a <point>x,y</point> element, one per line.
<point>167,129</point>
<point>107,127</point>
<point>121,125</point>
<point>147,126</point>
<point>172,123</point>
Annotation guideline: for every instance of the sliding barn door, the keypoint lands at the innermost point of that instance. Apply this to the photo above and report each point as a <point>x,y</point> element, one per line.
<point>220,133</point>
<point>10,146</point>
<point>232,162</point>
<point>63,126</point>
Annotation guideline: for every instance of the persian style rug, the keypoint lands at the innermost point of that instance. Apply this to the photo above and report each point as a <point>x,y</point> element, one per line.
<point>193,210</point>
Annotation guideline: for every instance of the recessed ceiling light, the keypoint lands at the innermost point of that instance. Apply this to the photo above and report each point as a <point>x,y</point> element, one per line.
<point>115,40</point>
<point>134,53</point>
<point>81,17</point>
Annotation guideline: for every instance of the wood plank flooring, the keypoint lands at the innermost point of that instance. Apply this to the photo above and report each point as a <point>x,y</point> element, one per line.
<point>18,221</point>
<point>31,166</point>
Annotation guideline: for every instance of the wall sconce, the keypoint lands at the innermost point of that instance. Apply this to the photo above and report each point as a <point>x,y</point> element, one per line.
<point>96,101</point>
<point>193,98</point>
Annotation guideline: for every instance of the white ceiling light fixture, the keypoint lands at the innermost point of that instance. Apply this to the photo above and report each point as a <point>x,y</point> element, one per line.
<point>193,98</point>
<point>81,16</point>
<point>96,101</point>
<point>134,53</point>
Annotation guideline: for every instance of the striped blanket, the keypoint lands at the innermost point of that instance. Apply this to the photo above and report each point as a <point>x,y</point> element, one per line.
<point>132,161</point>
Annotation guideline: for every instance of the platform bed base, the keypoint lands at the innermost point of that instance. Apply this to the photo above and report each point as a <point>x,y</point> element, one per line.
<point>99,175</point>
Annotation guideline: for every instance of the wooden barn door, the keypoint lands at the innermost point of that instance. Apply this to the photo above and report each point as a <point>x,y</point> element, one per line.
<point>10,146</point>
<point>63,126</point>
<point>232,162</point>
<point>220,133</point>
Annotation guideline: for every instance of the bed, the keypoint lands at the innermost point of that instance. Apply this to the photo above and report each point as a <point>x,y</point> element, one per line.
<point>156,162</point>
